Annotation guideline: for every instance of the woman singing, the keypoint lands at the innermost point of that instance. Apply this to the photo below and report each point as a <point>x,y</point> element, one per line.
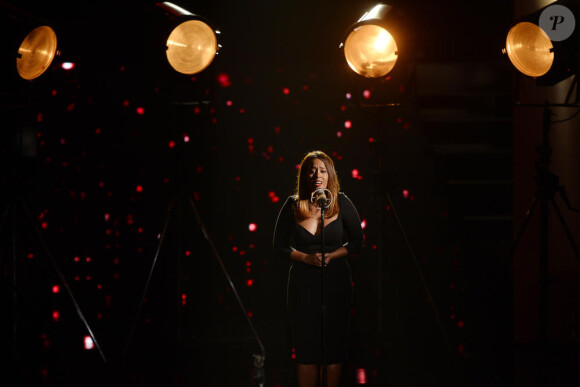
<point>297,237</point>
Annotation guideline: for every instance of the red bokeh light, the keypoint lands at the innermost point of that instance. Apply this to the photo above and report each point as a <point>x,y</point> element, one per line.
<point>361,376</point>
<point>252,227</point>
<point>140,111</point>
<point>224,80</point>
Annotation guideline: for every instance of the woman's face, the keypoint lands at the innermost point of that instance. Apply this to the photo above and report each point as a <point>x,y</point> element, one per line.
<point>317,175</point>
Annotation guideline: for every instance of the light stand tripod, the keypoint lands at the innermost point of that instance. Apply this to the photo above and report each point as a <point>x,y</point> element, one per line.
<point>547,187</point>
<point>14,211</point>
<point>17,212</point>
<point>381,201</point>
<point>258,359</point>
<point>378,199</point>
<point>383,209</point>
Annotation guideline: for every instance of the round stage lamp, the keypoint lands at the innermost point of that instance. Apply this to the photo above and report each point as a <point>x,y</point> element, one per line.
<point>530,49</point>
<point>191,47</point>
<point>192,43</point>
<point>545,44</point>
<point>370,49</point>
<point>36,52</point>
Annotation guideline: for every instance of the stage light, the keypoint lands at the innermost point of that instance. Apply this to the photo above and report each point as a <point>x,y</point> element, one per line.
<point>192,43</point>
<point>36,52</point>
<point>544,45</point>
<point>530,49</point>
<point>370,47</point>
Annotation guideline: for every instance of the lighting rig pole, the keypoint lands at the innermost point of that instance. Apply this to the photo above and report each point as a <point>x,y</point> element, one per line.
<point>190,48</point>
<point>545,46</point>
<point>547,187</point>
<point>34,56</point>
<point>372,47</point>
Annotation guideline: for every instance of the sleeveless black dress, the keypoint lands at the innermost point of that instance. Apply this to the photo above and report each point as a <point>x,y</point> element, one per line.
<point>304,297</point>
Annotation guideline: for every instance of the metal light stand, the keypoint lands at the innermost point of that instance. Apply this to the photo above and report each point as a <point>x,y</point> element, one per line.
<point>379,193</point>
<point>14,210</point>
<point>15,218</point>
<point>547,187</point>
<point>258,359</point>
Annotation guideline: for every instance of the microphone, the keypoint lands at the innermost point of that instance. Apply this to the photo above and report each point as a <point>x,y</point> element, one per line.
<point>321,198</point>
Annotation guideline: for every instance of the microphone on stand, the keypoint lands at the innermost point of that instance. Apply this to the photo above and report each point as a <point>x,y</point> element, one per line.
<point>321,198</point>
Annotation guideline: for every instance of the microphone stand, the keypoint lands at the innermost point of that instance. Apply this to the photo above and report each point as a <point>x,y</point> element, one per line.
<point>323,290</point>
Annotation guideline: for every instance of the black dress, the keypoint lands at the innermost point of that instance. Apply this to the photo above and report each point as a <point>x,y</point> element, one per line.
<point>304,281</point>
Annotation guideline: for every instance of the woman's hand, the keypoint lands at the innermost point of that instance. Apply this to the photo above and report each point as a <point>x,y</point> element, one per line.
<point>316,258</point>
<point>327,257</point>
<point>313,259</point>
<point>338,253</point>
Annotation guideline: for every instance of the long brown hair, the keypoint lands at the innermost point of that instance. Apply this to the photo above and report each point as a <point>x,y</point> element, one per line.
<point>302,193</point>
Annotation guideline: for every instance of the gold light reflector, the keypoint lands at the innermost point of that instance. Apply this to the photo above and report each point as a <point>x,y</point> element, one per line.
<point>191,47</point>
<point>530,49</point>
<point>370,51</point>
<point>36,52</point>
